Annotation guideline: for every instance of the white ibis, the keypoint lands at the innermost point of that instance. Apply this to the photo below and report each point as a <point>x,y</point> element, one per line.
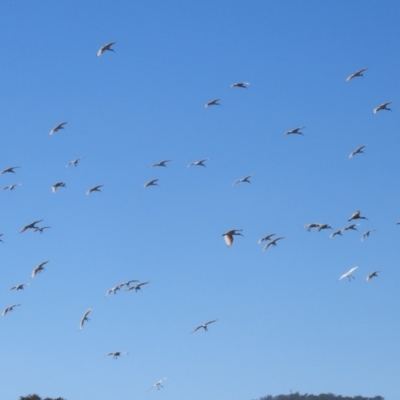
<point>228,236</point>
<point>212,103</point>
<point>137,287</point>
<point>199,163</point>
<point>58,127</point>
<point>349,274</point>
<point>266,238</point>
<point>84,318</point>
<point>38,269</point>
<point>272,243</point>
<point>357,215</point>
<point>19,287</point>
<point>74,162</point>
<point>8,309</point>
<point>158,384</point>
<point>339,232</point>
<point>30,226</point>
<point>312,225</point>
<point>383,106</point>
<point>153,182</point>
<point>160,164</point>
<point>323,226</point>
<point>242,85</point>
<point>94,189</point>
<point>11,187</point>
<point>295,131</point>
<point>356,74</point>
<point>366,234</point>
<point>372,275</point>
<point>8,170</point>
<point>106,47</point>
<point>57,185</point>
<point>243,180</point>
<point>116,354</point>
<point>204,326</point>
<point>358,150</point>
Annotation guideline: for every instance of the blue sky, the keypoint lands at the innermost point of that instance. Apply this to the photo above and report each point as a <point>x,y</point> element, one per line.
<point>285,322</point>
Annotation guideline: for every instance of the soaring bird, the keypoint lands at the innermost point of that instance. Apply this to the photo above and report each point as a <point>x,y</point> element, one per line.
<point>242,180</point>
<point>240,85</point>
<point>204,326</point>
<point>351,227</point>
<point>11,187</point>
<point>339,232</point>
<point>366,234</point>
<point>356,74</point>
<point>19,287</point>
<point>349,274</point>
<point>358,150</point>
<point>160,164</point>
<point>84,318</point>
<point>8,309</point>
<point>30,226</point>
<point>57,185</point>
<point>116,354</point>
<point>266,238</point>
<point>272,242</point>
<point>40,229</point>
<point>228,236</point>
<point>295,131</point>
<point>357,215</point>
<point>58,127</point>
<point>153,182</point>
<point>127,283</point>
<point>323,226</point>
<point>158,384</point>
<point>10,170</point>
<point>105,48</point>
<point>38,269</point>
<point>311,226</point>
<point>199,163</point>
<point>74,162</point>
<point>372,275</point>
<point>138,286</point>
<point>115,289</point>
<point>212,103</point>
<point>94,189</point>
<point>383,106</point>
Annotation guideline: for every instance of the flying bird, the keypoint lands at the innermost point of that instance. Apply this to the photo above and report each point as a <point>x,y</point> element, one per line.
<point>57,185</point>
<point>351,227</point>
<point>40,229</point>
<point>30,226</point>
<point>74,162</point>
<point>357,215</point>
<point>295,131</point>
<point>339,232</point>
<point>84,318</point>
<point>160,164</point>
<point>137,287</point>
<point>158,384</point>
<point>228,236</point>
<point>116,354</point>
<point>199,163</point>
<point>19,287</point>
<point>115,289</point>
<point>366,234</point>
<point>58,127</point>
<point>94,189</point>
<point>212,103</point>
<point>272,242</point>
<point>383,106</point>
<point>242,180</point>
<point>372,275</point>
<point>266,238</point>
<point>358,150</point>
<point>8,309</point>
<point>105,48</point>
<point>11,187</point>
<point>204,326</point>
<point>38,269</point>
<point>323,226</point>
<point>9,170</point>
<point>349,274</point>
<point>127,283</point>
<point>153,182</point>
<point>240,85</point>
<point>356,74</point>
<point>311,226</point>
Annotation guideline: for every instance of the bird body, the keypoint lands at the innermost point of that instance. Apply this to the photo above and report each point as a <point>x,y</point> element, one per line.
<point>240,85</point>
<point>295,131</point>
<point>273,242</point>
<point>116,354</point>
<point>266,238</point>
<point>74,162</point>
<point>160,164</point>
<point>358,150</point>
<point>243,180</point>
<point>58,127</point>
<point>204,326</point>
<point>366,234</point>
<point>8,309</point>
<point>311,226</point>
<point>199,163</point>
<point>383,106</point>
<point>84,318</point>
<point>30,226</point>
<point>38,269</point>
<point>153,182</point>
<point>228,236</point>
<point>57,185</point>
<point>94,189</point>
<point>372,275</point>
<point>105,48</point>
<point>212,103</point>
<point>19,287</point>
<point>357,215</point>
<point>356,74</point>
<point>323,226</point>
<point>349,274</point>
<point>339,232</point>
<point>9,170</point>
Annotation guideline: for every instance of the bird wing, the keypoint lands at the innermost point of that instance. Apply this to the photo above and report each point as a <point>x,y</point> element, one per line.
<point>196,329</point>
<point>210,322</point>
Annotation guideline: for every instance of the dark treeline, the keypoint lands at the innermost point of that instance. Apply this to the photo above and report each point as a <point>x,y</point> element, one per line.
<point>36,397</point>
<point>322,396</point>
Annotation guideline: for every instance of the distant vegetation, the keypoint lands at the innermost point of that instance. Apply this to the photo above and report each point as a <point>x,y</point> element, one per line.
<point>322,396</point>
<point>36,397</point>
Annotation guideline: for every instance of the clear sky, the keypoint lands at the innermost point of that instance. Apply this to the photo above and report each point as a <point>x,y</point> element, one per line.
<point>285,322</point>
